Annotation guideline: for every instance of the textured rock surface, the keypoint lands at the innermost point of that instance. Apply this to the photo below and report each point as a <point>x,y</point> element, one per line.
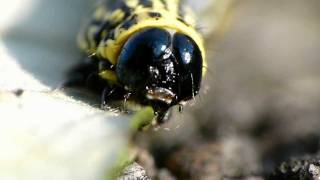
<point>134,171</point>
<point>307,167</point>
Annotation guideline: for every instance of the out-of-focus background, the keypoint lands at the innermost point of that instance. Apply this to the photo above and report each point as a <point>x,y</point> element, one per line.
<point>260,103</point>
<point>258,115</point>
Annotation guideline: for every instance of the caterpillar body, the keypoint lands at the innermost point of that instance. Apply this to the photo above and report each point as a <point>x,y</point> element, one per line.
<point>145,51</point>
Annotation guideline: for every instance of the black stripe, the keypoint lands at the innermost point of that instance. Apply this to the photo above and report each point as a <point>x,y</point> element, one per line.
<point>129,23</point>
<point>154,14</point>
<point>97,36</point>
<point>146,3</point>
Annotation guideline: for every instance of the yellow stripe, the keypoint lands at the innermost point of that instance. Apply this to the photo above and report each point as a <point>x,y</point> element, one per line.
<point>109,75</point>
<point>112,48</point>
<point>116,16</point>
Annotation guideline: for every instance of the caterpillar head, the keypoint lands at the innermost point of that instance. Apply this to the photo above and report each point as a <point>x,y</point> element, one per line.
<point>160,67</point>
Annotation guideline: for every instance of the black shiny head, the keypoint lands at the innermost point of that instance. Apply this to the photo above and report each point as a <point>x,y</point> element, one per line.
<point>160,68</point>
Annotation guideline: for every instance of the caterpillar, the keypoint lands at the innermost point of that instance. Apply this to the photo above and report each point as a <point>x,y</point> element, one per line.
<point>143,51</point>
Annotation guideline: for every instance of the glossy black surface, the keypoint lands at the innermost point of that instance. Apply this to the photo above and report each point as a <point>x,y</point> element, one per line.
<point>139,54</point>
<point>155,58</point>
<point>190,62</point>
